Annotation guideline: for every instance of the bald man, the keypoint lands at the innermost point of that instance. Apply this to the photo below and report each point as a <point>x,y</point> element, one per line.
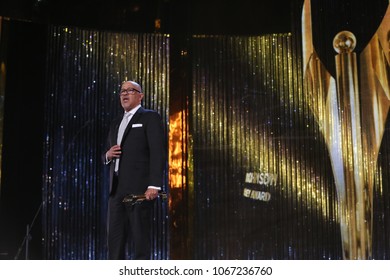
<point>136,156</point>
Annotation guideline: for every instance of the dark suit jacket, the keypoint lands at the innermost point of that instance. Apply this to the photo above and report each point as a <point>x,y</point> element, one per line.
<point>143,155</point>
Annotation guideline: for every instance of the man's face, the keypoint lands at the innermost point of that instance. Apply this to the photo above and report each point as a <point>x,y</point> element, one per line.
<point>130,95</point>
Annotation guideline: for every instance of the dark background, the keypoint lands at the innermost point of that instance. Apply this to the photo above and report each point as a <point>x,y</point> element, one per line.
<point>196,17</point>
<point>21,181</point>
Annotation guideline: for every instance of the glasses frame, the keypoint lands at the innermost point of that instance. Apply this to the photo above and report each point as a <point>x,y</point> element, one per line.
<point>129,91</point>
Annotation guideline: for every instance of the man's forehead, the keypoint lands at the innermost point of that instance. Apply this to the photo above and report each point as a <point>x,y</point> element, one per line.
<point>127,84</point>
<point>130,83</point>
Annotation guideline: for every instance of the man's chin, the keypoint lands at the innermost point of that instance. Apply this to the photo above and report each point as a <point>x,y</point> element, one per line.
<point>126,107</point>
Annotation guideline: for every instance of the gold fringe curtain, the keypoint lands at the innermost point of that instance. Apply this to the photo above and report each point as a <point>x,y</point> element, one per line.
<point>262,175</point>
<point>263,182</point>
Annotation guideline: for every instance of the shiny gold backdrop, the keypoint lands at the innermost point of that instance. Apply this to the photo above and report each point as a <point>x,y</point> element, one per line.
<point>263,182</point>
<point>350,102</point>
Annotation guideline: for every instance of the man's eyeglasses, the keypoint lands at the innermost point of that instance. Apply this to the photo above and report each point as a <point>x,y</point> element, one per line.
<point>130,91</point>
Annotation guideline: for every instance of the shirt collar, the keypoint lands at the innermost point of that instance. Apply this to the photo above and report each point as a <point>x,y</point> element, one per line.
<point>135,109</point>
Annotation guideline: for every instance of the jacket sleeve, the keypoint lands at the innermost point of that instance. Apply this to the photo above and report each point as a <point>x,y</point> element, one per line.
<point>107,146</point>
<point>156,142</point>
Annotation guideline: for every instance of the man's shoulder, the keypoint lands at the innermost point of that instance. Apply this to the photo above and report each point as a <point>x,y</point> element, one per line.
<point>145,110</point>
<point>148,112</point>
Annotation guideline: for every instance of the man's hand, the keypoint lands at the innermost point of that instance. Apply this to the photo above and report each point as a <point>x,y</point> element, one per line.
<point>151,194</point>
<point>113,152</point>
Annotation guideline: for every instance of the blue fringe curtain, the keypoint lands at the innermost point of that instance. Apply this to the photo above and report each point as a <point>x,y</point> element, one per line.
<point>84,71</point>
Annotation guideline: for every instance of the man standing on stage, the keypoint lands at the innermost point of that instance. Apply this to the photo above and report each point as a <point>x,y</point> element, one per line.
<point>136,155</point>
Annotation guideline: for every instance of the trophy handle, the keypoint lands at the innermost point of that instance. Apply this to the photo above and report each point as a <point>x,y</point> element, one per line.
<point>132,199</point>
